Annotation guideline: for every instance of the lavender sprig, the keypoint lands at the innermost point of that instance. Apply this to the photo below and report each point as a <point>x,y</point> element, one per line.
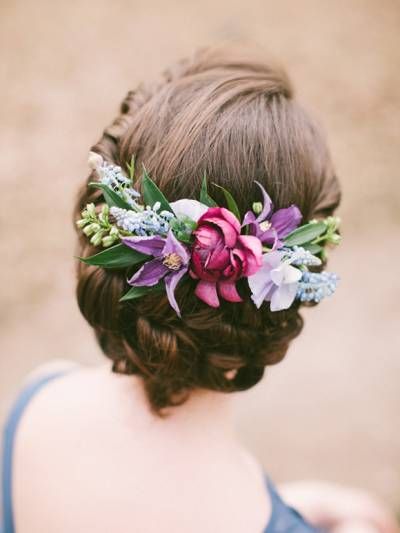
<point>313,287</point>
<point>113,177</point>
<point>299,256</point>
<point>148,221</point>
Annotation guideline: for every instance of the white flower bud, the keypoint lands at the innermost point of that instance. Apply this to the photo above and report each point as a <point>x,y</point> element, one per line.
<point>94,160</point>
<point>81,223</point>
<point>335,238</point>
<point>91,210</point>
<point>90,229</point>
<point>334,223</point>
<point>96,239</point>
<point>103,215</point>
<point>108,240</point>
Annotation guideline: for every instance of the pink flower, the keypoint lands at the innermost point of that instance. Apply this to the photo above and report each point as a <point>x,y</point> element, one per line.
<point>220,256</point>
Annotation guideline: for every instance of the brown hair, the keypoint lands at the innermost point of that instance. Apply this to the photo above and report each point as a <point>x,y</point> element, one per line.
<point>235,119</point>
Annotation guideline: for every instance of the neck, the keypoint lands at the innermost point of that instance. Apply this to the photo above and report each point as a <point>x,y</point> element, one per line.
<point>207,410</point>
<point>203,411</point>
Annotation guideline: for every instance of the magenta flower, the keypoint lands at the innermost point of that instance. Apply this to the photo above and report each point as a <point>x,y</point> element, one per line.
<point>220,256</point>
<point>271,227</point>
<point>170,263</point>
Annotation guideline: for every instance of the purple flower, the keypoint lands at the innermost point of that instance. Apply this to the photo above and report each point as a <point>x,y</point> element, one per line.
<point>276,281</point>
<point>170,263</point>
<point>271,227</point>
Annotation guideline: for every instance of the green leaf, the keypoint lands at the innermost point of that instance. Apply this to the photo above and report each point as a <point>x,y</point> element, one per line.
<point>111,197</point>
<point>204,197</point>
<point>118,256</point>
<point>305,234</point>
<point>232,205</point>
<point>131,168</point>
<point>138,292</point>
<point>152,194</point>
<point>313,248</point>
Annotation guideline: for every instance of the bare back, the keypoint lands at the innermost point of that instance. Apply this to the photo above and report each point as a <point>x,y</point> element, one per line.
<point>90,456</point>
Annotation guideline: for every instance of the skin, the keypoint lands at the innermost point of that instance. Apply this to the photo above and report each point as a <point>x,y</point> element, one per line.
<point>90,456</point>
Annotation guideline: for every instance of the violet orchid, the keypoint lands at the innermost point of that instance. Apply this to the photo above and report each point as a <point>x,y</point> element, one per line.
<point>170,263</point>
<point>272,227</point>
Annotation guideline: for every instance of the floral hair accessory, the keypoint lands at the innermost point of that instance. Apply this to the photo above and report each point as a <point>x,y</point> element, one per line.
<point>160,243</point>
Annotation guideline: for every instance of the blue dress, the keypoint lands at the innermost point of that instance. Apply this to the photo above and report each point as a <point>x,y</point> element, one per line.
<point>283,519</point>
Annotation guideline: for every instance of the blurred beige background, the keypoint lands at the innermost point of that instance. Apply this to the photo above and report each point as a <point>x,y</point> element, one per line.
<point>331,409</point>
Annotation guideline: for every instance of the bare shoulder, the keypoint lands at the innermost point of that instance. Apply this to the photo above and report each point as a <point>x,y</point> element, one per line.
<point>78,392</point>
<point>64,437</point>
<point>50,367</point>
<point>53,394</point>
<point>80,401</point>
<point>64,417</point>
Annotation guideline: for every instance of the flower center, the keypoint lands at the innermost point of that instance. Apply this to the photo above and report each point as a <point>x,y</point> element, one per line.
<point>173,261</point>
<point>265,225</point>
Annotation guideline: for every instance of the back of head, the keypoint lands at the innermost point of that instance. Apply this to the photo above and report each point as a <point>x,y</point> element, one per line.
<point>234,118</point>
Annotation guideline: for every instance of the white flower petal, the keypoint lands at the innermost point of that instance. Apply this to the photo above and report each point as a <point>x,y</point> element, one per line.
<point>283,296</point>
<point>291,274</point>
<point>260,283</point>
<point>191,208</point>
<point>278,275</point>
<point>285,273</point>
<point>95,160</point>
<point>263,294</point>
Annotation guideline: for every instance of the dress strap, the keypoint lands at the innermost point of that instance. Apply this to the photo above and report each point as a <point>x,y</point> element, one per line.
<point>10,430</point>
<point>275,503</point>
<point>285,519</point>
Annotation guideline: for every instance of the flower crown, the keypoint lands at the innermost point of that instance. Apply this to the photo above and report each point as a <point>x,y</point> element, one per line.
<point>164,242</point>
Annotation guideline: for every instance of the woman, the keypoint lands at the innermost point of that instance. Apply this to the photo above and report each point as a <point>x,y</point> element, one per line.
<point>211,292</point>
